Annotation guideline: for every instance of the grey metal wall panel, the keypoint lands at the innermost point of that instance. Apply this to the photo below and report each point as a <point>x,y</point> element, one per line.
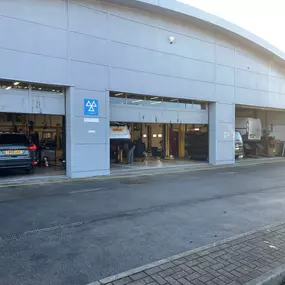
<point>225,55</point>
<point>88,21</point>
<point>37,39</point>
<point>91,133</point>
<point>37,12</point>
<point>91,158</point>
<point>149,37</point>
<point>135,58</point>
<point>224,93</point>
<point>33,67</point>
<point>88,48</point>
<point>221,133</point>
<point>122,113</point>
<point>89,76</point>
<point>225,75</point>
<point>31,102</point>
<point>146,83</point>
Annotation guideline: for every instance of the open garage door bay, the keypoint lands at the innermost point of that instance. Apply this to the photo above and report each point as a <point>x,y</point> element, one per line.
<point>32,129</point>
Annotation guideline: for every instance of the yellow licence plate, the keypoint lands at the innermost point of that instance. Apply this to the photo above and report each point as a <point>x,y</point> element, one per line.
<point>14,152</point>
<point>252,136</point>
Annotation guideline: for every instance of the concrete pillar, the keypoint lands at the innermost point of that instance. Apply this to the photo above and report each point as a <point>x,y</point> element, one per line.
<point>181,147</point>
<point>221,133</point>
<point>167,140</point>
<point>87,137</point>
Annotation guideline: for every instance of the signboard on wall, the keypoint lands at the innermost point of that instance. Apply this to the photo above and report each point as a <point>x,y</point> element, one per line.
<point>91,107</point>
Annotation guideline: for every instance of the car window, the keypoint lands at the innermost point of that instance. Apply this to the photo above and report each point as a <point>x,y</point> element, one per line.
<point>14,139</point>
<point>238,136</point>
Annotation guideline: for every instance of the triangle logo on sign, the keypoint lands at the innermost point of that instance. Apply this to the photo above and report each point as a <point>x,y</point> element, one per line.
<point>91,106</point>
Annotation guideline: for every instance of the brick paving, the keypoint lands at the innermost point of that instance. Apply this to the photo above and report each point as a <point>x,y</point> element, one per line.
<point>234,262</point>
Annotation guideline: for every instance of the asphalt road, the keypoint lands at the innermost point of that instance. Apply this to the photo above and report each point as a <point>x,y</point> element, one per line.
<point>76,233</point>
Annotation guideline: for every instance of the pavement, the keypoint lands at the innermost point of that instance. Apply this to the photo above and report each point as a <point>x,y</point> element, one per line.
<point>77,232</point>
<point>257,257</point>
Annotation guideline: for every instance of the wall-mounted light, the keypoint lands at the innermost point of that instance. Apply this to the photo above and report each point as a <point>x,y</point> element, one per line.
<point>144,135</point>
<point>160,135</point>
<point>154,135</point>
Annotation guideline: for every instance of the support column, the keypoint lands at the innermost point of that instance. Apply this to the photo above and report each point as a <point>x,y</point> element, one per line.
<point>167,140</point>
<point>221,133</point>
<point>87,137</point>
<point>181,147</point>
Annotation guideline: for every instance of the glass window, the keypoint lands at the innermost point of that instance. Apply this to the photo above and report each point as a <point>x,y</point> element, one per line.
<point>196,105</point>
<point>238,137</point>
<point>137,100</point>
<point>46,88</point>
<point>156,101</point>
<point>8,85</point>
<point>118,98</point>
<point>153,101</point>
<point>170,102</point>
<point>185,104</point>
<point>204,106</point>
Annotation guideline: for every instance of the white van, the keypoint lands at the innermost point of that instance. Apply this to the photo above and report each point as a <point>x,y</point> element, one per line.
<point>249,128</point>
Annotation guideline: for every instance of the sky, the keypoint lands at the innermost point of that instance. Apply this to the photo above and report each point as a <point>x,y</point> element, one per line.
<point>265,18</point>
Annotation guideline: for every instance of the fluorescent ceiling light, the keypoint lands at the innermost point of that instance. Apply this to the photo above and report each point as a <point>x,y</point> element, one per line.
<point>196,129</point>
<point>16,83</point>
<point>173,100</point>
<point>153,98</point>
<point>8,88</point>
<point>119,94</point>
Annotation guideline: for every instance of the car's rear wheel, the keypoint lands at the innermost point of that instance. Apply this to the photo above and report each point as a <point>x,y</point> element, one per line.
<point>30,170</point>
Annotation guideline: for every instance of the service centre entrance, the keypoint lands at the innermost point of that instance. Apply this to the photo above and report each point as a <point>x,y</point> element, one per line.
<point>159,128</point>
<point>32,130</point>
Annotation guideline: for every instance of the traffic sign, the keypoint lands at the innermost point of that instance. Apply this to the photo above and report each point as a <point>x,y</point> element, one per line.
<point>91,107</point>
